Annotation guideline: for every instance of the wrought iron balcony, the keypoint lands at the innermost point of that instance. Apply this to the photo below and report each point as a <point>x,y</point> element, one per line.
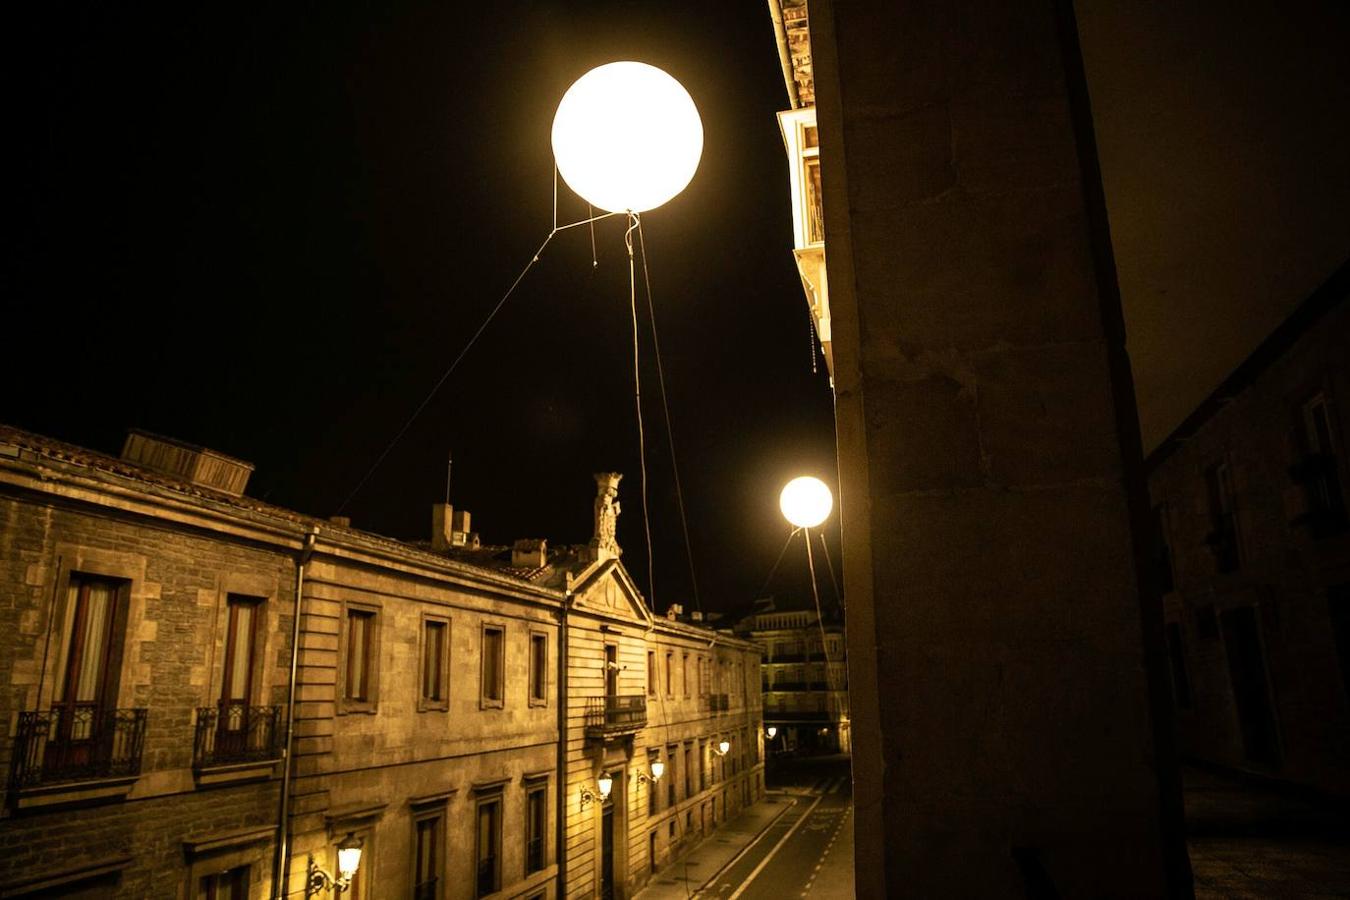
<point>77,743</point>
<point>614,715</point>
<point>234,733</point>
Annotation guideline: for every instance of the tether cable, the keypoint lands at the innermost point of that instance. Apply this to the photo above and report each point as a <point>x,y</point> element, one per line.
<point>670,431</point>
<point>464,352</point>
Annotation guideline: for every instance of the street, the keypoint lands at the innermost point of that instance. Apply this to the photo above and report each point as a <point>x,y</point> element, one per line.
<point>808,851</point>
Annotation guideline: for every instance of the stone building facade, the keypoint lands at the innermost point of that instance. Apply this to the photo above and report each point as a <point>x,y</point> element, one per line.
<point>804,682</point>
<point>149,614</point>
<point>1253,550</point>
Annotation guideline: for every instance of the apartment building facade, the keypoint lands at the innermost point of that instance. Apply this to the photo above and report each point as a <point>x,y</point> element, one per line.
<point>804,679</point>
<point>1252,551</point>
<point>146,680</point>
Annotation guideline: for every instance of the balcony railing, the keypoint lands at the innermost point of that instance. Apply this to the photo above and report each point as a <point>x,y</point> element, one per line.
<point>77,744</point>
<point>235,733</point>
<point>613,714</point>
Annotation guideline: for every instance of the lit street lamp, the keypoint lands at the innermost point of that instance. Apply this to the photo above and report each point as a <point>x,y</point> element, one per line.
<point>348,859</point>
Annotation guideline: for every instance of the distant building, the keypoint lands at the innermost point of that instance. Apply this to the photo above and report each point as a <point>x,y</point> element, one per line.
<point>153,673</point>
<point>1253,554</point>
<point>804,679</point>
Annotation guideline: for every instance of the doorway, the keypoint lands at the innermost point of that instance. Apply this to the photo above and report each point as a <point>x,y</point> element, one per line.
<point>1251,686</point>
<point>607,850</point>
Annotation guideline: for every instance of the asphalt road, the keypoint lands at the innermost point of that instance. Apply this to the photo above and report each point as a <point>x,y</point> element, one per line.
<point>808,852</point>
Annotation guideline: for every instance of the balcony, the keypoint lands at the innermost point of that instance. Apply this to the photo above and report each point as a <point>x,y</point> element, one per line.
<point>233,733</point>
<point>1324,512</point>
<point>615,716</point>
<point>76,744</point>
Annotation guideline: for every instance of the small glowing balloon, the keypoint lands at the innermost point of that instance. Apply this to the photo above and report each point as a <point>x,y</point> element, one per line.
<point>627,137</point>
<point>806,501</point>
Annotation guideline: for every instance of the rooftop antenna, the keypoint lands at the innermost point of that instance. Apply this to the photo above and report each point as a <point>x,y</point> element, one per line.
<point>449,465</point>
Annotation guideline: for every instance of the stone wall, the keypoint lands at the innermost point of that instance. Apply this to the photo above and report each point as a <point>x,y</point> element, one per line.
<point>1011,721</point>
<point>177,580</point>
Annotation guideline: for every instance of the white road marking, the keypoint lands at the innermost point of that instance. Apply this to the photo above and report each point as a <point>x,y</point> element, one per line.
<point>774,852</point>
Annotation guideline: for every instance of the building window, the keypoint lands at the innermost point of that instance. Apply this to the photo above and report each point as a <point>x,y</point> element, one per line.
<point>651,849</point>
<point>538,669</point>
<point>1338,605</point>
<point>428,858</point>
<point>651,672</point>
<point>671,752</point>
<point>536,827</point>
<point>435,679</point>
<point>87,672</point>
<point>488,847</point>
<point>231,885</point>
<point>687,682</point>
<point>1176,652</point>
<point>1223,536</point>
<point>670,674</point>
<point>1318,471</point>
<point>653,788</point>
<point>494,666</point>
<point>241,629</point>
<point>360,659</point>
<point>688,769</point>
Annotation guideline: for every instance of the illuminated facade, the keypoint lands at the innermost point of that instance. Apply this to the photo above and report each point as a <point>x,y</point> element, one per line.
<point>802,143</point>
<point>804,682</point>
<point>455,709</point>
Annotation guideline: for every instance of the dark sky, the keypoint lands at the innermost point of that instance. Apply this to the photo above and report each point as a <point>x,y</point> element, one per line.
<point>270,231</point>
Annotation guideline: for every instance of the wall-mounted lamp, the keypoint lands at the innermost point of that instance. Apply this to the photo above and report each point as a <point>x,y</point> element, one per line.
<point>658,769</point>
<point>605,783</point>
<point>723,747</point>
<point>349,860</point>
<point>772,732</point>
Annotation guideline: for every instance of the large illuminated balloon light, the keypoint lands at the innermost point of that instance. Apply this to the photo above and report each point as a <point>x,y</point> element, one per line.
<point>806,501</point>
<point>627,137</point>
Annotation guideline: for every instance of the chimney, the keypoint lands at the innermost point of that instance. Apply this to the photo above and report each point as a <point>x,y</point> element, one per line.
<point>674,611</point>
<point>450,528</point>
<point>341,521</point>
<point>696,616</point>
<point>529,553</point>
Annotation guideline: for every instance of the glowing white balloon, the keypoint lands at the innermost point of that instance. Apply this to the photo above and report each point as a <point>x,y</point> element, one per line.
<point>627,136</point>
<point>806,501</point>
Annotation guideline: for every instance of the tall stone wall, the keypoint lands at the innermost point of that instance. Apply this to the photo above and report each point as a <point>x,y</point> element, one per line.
<point>1011,719</point>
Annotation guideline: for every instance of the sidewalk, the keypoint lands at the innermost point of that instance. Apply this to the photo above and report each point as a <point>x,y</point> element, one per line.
<point>1254,840</point>
<point>688,873</point>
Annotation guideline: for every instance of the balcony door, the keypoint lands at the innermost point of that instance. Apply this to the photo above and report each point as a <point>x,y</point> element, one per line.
<point>236,688</point>
<point>85,674</point>
<point>611,670</point>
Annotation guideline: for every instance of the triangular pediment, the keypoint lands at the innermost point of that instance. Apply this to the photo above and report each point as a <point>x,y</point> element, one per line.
<point>609,590</point>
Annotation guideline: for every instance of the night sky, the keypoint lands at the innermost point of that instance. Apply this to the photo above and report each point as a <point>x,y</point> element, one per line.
<point>270,231</point>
